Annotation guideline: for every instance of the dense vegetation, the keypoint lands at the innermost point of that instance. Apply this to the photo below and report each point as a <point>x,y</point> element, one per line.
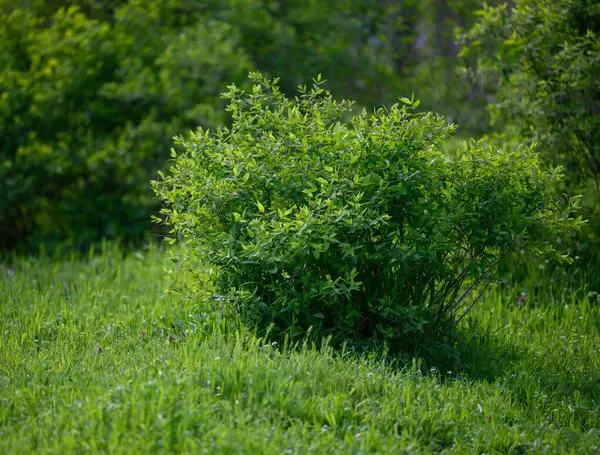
<point>342,277</point>
<point>87,112</point>
<point>91,95</point>
<point>361,228</point>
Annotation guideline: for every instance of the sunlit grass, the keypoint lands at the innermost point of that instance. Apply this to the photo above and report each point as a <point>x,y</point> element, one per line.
<point>95,358</point>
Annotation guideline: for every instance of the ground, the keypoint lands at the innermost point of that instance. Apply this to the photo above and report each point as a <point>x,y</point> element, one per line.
<point>97,358</point>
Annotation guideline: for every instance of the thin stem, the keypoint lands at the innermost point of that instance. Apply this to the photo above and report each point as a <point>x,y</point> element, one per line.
<point>474,302</point>
<point>486,277</point>
<point>448,287</point>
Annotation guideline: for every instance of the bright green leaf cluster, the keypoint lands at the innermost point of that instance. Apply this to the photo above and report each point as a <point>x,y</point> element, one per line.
<point>359,227</point>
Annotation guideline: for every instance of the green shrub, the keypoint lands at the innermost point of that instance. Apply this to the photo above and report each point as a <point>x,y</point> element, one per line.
<point>361,229</point>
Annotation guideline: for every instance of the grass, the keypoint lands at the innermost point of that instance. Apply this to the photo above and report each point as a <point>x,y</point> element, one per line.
<point>96,358</point>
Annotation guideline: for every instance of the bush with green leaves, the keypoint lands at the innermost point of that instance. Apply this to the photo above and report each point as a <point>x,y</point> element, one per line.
<point>543,59</point>
<point>360,227</point>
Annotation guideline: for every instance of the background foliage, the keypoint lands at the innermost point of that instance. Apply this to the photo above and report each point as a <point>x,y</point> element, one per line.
<point>87,110</point>
<point>542,59</point>
<point>92,92</point>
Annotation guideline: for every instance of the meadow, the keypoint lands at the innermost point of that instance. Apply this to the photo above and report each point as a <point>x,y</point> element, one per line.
<point>97,358</point>
<point>363,230</point>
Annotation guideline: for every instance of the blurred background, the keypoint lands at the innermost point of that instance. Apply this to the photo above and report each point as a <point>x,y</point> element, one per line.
<point>92,92</point>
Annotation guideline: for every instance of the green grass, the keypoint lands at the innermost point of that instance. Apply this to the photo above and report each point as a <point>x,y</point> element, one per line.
<point>525,380</point>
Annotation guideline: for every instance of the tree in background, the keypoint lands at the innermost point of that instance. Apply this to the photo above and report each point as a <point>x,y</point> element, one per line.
<point>431,68</point>
<point>88,107</point>
<point>543,58</point>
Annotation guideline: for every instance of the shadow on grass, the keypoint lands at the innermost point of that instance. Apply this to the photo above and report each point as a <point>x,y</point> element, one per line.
<point>473,354</point>
<point>568,388</point>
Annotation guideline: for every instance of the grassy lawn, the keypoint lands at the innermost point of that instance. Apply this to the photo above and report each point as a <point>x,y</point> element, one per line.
<point>96,358</point>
